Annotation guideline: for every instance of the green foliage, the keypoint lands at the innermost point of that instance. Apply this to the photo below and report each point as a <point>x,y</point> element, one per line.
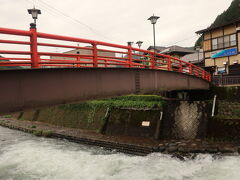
<point>33,126</point>
<point>199,42</point>
<point>236,112</point>
<point>230,14</point>
<point>91,115</point>
<point>93,107</point>
<point>133,97</point>
<point>37,132</point>
<point>47,133</point>
<point>7,116</point>
<point>129,101</point>
<point>2,121</point>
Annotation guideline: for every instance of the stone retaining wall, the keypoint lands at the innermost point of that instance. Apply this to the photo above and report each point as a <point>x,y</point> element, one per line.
<point>185,120</point>
<point>225,125</point>
<point>181,119</point>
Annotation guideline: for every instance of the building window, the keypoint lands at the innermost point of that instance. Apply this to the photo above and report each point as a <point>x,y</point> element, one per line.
<point>220,42</point>
<point>214,44</point>
<point>233,41</point>
<point>224,42</point>
<point>221,70</point>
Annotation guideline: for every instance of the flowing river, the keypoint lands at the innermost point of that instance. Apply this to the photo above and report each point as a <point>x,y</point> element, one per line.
<point>26,157</point>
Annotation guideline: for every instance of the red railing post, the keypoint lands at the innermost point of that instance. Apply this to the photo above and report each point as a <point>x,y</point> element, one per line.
<point>78,60</point>
<point>169,63</point>
<point>190,69</point>
<point>130,56</point>
<point>152,61</point>
<point>106,65</point>
<point>33,46</point>
<point>94,53</point>
<point>180,67</point>
<point>209,77</point>
<point>197,71</point>
<point>203,74</point>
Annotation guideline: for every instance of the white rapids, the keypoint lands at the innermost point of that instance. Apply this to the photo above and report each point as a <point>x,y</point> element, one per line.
<point>26,157</point>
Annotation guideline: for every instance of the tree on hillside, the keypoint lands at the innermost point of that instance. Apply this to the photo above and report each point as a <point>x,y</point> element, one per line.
<point>232,13</point>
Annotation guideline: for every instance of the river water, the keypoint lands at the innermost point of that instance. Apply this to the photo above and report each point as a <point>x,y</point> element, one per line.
<point>26,157</point>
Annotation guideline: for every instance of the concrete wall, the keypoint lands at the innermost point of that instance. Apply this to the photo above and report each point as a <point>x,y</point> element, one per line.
<point>180,120</point>
<point>124,122</point>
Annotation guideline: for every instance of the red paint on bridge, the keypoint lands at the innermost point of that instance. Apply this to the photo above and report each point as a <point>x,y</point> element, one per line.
<point>129,56</point>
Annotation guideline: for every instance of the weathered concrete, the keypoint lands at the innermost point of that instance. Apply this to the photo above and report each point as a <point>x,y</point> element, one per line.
<point>185,120</point>
<point>25,89</point>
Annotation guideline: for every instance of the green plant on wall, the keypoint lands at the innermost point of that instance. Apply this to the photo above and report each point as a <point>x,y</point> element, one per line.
<point>129,101</point>
<point>93,109</point>
<point>236,112</point>
<point>91,114</point>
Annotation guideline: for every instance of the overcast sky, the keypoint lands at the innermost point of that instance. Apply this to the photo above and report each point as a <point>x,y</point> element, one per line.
<point>117,21</point>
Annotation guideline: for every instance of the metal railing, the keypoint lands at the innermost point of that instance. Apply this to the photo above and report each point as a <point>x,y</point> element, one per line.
<point>222,80</point>
<point>94,54</point>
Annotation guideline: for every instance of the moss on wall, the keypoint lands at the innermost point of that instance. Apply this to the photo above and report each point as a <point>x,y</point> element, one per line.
<point>220,129</point>
<point>226,93</point>
<point>225,125</point>
<point>90,115</point>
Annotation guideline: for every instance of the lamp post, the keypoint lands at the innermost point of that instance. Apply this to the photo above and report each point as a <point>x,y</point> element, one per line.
<point>35,58</point>
<point>153,20</point>
<point>34,12</point>
<point>139,43</point>
<point>225,67</point>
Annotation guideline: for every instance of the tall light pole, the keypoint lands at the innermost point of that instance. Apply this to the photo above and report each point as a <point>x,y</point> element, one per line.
<point>153,20</point>
<point>139,43</point>
<point>33,38</point>
<point>34,12</point>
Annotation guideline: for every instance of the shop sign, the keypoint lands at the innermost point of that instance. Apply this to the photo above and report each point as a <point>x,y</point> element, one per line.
<point>225,52</point>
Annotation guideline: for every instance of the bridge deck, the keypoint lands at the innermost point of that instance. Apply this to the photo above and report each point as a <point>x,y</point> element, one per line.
<point>24,89</point>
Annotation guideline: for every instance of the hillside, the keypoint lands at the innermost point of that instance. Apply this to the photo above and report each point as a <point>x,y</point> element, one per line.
<point>233,12</point>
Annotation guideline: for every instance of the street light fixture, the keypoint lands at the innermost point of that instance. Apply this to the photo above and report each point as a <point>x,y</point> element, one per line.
<point>34,12</point>
<point>153,20</point>
<point>139,43</point>
<point>130,43</point>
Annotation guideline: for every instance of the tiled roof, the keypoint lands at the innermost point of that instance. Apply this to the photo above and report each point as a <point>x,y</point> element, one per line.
<point>193,57</point>
<point>177,49</point>
<point>158,48</point>
<point>170,49</point>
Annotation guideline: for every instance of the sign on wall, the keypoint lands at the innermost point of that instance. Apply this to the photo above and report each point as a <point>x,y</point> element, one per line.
<point>225,52</point>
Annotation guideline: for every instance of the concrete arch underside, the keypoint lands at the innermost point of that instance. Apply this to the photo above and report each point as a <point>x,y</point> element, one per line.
<point>25,89</point>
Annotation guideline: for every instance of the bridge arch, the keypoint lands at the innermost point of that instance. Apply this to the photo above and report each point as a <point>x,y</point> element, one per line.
<point>35,88</point>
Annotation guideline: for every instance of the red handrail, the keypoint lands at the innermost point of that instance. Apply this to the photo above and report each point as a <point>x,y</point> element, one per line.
<point>91,54</point>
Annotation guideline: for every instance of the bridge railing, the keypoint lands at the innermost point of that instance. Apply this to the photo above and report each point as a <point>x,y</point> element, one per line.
<point>79,52</point>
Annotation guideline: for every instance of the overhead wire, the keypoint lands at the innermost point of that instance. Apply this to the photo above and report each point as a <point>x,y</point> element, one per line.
<point>45,9</point>
<point>56,12</point>
<point>181,40</point>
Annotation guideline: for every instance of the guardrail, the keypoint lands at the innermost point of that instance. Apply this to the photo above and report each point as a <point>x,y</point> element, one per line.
<point>222,80</point>
<point>91,54</point>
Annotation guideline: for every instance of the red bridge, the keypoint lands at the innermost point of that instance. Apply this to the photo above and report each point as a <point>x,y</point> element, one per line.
<point>97,70</point>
